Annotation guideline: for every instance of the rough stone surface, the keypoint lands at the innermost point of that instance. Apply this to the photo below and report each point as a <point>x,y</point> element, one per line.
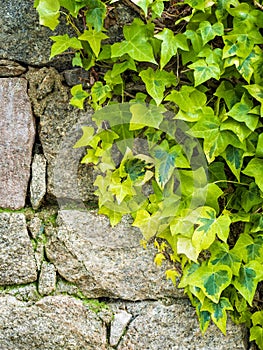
<point>24,39</point>
<point>60,128</point>
<point>105,261</point>
<point>17,133</point>
<point>118,326</point>
<point>175,327</point>
<point>35,227</point>
<point>47,279</point>
<point>17,262</point>
<point>53,323</point>
<point>38,181</point>
<point>10,68</point>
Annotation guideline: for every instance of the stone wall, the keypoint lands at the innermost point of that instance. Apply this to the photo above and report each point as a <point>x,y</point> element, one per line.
<point>67,279</point>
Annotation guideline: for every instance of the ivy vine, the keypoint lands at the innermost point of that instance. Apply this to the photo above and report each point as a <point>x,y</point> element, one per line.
<point>184,155</point>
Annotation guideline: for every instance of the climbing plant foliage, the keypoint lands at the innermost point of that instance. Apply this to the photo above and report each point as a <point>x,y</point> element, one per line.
<point>183,155</point>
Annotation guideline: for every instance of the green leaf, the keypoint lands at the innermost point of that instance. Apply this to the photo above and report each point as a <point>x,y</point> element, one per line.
<point>121,189</point>
<point>156,81</point>
<point>114,216</point>
<point>164,163</point>
<point>249,276</point>
<point>96,14</point>
<point>256,91</point>
<point>48,11</point>
<point>88,133</point>
<point>249,249</point>
<point>79,96</point>
<point>208,227</point>
<point>209,32</point>
<point>143,115</point>
<point>256,333</point>
<point>215,140</point>
<point>259,150</point>
<point>188,98</point>
<point>170,45</point>
<point>239,45</point>
<point>211,279</point>
<point>186,247</point>
<point>218,311</point>
<point>217,172</point>
<point>137,44</point>
<point>62,43</point>
<point>100,92</point>
<point>255,169</point>
<point>251,197</point>
<point>94,38</point>
<point>234,159</point>
<point>221,255</point>
<point>148,224</point>
<point>143,4</point>
<point>204,71</point>
<point>239,129</point>
<point>241,112</point>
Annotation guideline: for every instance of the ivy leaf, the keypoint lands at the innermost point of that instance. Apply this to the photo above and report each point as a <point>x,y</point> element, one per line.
<point>220,255</point>
<point>249,249</point>
<point>62,43</point>
<point>211,279</point>
<point>239,45</point>
<point>143,4</point>
<point>114,216</point>
<point>208,227</point>
<point>239,129</point>
<point>79,96</point>
<point>204,71</point>
<point>122,189</point>
<point>148,224</point>
<point>251,198</point>
<point>249,276</point>
<point>48,11</point>
<point>241,112</point>
<point>137,44</point>
<point>96,14</point>
<point>215,140</point>
<point>218,311</point>
<point>189,99</point>
<point>185,246</point>
<point>94,38</point>
<point>234,159</point>
<point>255,169</point>
<point>143,115</point>
<point>100,93</point>
<point>88,132</point>
<point>156,81</point>
<point>170,44</point>
<point>209,32</point>
<point>259,149</point>
<point>164,163</point>
<point>256,333</point>
<point>217,172</point>
<point>256,91</point>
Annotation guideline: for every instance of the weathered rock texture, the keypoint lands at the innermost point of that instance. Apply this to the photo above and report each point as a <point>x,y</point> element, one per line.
<point>175,327</point>
<point>17,133</point>
<point>17,262</point>
<point>105,261</point>
<point>38,181</point>
<point>60,128</point>
<point>53,323</point>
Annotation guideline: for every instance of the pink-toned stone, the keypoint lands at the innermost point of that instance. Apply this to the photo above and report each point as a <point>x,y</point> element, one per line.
<point>17,133</point>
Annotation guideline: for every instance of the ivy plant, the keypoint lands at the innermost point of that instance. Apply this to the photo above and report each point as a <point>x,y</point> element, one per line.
<point>184,154</point>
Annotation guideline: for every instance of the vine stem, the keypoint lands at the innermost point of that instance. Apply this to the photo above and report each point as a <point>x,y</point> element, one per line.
<point>232,182</point>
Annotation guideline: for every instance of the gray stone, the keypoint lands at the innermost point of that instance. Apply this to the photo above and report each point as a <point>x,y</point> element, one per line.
<point>24,39</point>
<point>38,180</point>
<point>35,227</point>
<point>175,327</point>
<point>27,292</point>
<point>77,76</point>
<point>10,68</point>
<point>52,323</point>
<point>47,279</point>
<point>17,133</point>
<point>39,253</point>
<point>17,262</point>
<point>104,261</point>
<point>118,326</point>
<point>60,128</point>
